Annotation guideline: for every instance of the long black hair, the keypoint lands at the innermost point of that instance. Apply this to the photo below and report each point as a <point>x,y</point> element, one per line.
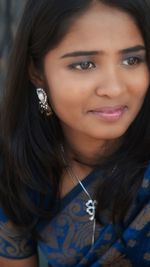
<point>30,143</point>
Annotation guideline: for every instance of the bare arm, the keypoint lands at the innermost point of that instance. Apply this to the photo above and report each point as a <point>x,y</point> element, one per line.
<point>29,262</point>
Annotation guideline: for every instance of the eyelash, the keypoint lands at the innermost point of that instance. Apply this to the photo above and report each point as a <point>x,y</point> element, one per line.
<point>88,65</point>
<point>135,60</point>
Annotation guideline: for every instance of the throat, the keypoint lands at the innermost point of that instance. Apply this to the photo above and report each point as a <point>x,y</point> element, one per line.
<point>67,184</point>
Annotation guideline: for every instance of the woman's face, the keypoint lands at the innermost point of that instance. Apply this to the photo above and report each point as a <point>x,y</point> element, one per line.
<point>97,77</point>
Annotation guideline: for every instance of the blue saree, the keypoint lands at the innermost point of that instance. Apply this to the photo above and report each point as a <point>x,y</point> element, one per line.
<point>66,239</point>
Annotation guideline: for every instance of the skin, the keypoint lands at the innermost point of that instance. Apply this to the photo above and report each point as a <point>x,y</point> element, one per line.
<point>30,262</point>
<point>116,75</point>
<point>113,78</point>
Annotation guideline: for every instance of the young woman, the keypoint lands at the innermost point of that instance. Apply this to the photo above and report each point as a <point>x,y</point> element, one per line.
<point>75,136</point>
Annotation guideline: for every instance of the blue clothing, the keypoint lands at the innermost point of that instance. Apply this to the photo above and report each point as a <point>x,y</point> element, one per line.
<point>66,239</point>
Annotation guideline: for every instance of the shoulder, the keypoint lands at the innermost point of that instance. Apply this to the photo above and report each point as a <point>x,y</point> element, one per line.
<point>143,195</point>
<point>147,172</point>
<point>14,243</point>
<point>146,179</point>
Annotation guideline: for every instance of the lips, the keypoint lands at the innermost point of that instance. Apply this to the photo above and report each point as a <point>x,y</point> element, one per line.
<point>109,113</point>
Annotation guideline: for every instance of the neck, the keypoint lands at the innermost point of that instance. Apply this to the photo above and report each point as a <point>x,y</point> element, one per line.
<point>86,152</point>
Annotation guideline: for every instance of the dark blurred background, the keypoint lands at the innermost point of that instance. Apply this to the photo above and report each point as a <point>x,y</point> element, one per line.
<point>10,15</point>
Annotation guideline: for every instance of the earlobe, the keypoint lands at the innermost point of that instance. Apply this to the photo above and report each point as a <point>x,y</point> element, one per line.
<point>35,75</point>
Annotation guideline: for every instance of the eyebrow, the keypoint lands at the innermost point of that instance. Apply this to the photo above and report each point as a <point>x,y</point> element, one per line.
<point>80,53</point>
<point>136,48</point>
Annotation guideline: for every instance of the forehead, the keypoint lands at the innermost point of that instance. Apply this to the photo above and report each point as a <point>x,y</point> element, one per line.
<point>101,27</point>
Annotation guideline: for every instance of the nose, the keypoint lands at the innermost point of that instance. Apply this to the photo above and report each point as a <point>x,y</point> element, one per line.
<point>111,83</point>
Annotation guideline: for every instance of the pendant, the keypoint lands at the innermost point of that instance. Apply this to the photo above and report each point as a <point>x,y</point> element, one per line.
<point>91,207</point>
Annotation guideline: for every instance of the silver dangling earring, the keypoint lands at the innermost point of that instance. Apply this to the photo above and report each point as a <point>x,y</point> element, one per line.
<point>44,106</point>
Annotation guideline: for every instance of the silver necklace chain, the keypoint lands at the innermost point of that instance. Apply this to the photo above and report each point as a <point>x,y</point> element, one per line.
<point>90,205</point>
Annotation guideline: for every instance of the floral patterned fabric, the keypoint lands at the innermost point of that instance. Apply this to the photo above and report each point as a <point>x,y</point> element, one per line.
<point>66,239</point>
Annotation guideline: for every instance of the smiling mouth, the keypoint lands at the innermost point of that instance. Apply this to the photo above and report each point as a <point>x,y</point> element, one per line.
<point>110,114</point>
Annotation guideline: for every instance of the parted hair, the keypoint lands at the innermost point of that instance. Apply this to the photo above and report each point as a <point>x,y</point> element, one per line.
<point>30,142</point>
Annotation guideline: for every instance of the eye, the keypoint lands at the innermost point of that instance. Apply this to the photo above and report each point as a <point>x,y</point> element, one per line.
<point>85,65</point>
<point>132,61</point>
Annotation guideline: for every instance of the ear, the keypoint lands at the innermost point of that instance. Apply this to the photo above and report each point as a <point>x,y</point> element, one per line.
<point>36,76</point>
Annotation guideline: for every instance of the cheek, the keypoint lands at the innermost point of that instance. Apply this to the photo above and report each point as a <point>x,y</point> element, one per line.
<point>64,96</point>
<point>68,90</point>
<point>139,85</point>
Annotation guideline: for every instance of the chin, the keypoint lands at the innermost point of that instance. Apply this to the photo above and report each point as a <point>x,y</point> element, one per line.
<point>110,135</point>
